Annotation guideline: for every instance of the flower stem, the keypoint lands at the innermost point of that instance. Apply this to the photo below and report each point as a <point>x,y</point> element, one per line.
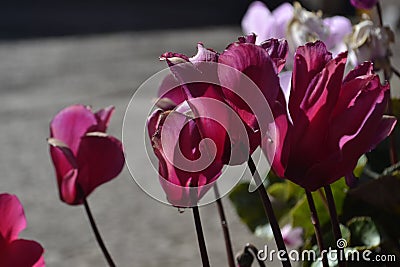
<point>97,234</point>
<point>317,228</point>
<point>379,9</point>
<point>395,71</point>
<point>254,250</point>
<point>335,223</point>
<point>225,228</point>
<point>200,237</point>
<point>270,213</point>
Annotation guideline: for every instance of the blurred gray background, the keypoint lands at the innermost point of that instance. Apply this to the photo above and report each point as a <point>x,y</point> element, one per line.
<point>54,54</point>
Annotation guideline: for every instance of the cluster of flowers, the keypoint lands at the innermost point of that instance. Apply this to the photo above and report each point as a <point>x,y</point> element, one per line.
<point>324,122</point>
<point>365,41</point>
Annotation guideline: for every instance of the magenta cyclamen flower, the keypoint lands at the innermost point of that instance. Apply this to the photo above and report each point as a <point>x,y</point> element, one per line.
<point>84,156</point>
<point>191,112</point>
<point>15,252</point>
<point>364,4</point>
<point>297,25</point>
<point>331,121</point>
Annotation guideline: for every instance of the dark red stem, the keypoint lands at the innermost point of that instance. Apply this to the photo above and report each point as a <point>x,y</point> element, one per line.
<point>335,223</point>
<point>97,235</point>
<point>317,228</point>
<point>225,229</point>
<point>200,237</point>
<point>270,213</point>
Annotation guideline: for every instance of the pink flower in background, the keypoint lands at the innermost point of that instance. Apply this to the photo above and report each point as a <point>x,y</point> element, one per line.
<point>266,24</point>
<point>364,4</point>
<point>330,122</point>
<point>297,25</point>
<point>292,236</point>
<point>15,252</point>
<point>84,156</point>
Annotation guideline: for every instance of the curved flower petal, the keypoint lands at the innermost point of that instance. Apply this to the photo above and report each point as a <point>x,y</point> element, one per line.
<point>364,4</point>
<point>248,38</point>
<point>204,55</point>
<point>103,117</point>
<point>100,159</point>
<point>254,62</point>
<point>176,143</point>
<point>23,253</point>
<point>309,61</point>
<point>66,169</point>
<point>12,217</point>
<point>278,50</point>
<point>69,193</point>
<point>333,122</point>
<point>70,124</point>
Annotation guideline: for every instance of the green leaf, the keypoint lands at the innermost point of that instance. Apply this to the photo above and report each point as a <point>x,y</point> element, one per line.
<point>300,213</point>
<point>364,233</point>
<point>248,206</point>
<point>362,162</point>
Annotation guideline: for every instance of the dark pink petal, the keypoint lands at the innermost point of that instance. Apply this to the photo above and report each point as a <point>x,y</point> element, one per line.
<point>153,122</point>
<point>249,38</point>
<point>181,165</point>
<point>12,216</point>
<point>186,72</point>
<point>278,50</point>
<point>204,55</point>
<point>66,167</point>
<point>174,58</point>
<point>282,139</point>
<point>323,91</point>
<point>312,124</point>
<point>170,93</point>
<point>103,117</point>
<point>23,253</point>
<point>100,159</point>
<point>254,62</point>
<point>310,59</point>
<point>70,124</point>
<point>384,129</point>
<point>358,107</point>
<point>69,193</point>
<point>365,68</point>
<point>364,4</point>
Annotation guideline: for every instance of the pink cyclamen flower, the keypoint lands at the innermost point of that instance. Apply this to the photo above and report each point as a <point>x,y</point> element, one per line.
<point>297,25</point>
<point>364,4</point>
<point>292,236</point>
<point>84,156</point>
<point>330,121</point>
<point>15,252</point>
<point>190,112</point>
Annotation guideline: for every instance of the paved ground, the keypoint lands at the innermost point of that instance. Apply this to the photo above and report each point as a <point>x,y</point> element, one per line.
<point>38,78</point>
